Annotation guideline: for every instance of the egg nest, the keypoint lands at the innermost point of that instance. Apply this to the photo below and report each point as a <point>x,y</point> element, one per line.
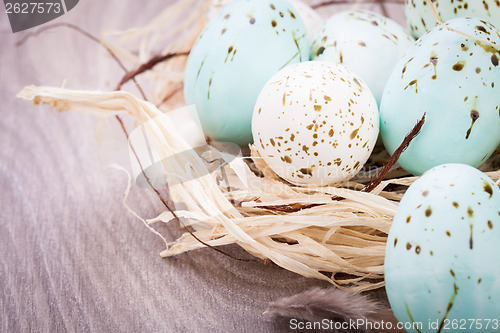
<point>336,233</point>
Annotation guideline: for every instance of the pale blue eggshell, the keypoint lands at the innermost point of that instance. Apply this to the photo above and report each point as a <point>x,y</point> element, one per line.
<point>441,258</point>
<point>420,19</point>
<point>455,80</point>
<point>246,43</point>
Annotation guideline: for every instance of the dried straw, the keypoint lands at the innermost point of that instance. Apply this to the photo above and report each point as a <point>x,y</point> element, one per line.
<point>337,234</point>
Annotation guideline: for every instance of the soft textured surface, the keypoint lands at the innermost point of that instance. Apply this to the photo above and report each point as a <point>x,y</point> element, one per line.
<point>71,257</point>
<point>318,303</point>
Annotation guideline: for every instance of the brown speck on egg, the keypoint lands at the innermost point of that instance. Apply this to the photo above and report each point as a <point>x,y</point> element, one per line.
<point>306,171</point>
<point>458,66</point>
<point>480,27</point>
<point>353,134</point>
<point>494,60</point>
<point>488,189</point>
<point>428,212</point>
<point>320,51</point>
<point>470,211</point>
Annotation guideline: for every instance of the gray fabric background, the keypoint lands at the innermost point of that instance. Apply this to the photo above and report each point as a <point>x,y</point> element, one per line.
<point>71,256</point>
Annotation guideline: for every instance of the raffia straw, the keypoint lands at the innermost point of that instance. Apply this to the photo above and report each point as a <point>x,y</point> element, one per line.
<point>305,230</point>
<point>346,236</point>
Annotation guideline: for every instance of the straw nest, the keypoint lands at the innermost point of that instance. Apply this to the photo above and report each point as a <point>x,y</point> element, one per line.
<point>336,233</point>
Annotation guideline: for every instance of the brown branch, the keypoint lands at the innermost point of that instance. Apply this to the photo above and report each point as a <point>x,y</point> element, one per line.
<point>395,156</point>
<point>164,201</point>
<point>150,63</point>
<point>86,34</point>
<point>289,208</point>
<point>155,60</point>
<point>171,94</point>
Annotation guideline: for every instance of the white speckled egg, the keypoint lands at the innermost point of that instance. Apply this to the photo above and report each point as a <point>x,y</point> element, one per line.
<point>238,51</point>
<point>420,19</point>
<point>315,123</point>
<point>456,81</point>
<point>441,260</point>
<point>367,43</point>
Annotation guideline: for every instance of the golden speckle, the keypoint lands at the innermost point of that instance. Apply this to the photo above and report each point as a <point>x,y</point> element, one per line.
<point>354,133</point>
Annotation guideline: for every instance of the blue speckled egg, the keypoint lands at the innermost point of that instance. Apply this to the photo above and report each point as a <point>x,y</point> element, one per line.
<point>245,44</point>
<point>420,19</point>
<point>456,81</point>
<point>367,43</point>
<point>441,260</point>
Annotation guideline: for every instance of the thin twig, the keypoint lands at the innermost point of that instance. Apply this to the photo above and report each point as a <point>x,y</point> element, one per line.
<point>86,34</point>
<point>395,156</point>
<point>383,8</point>
<point>129,76</point>
<point>148,66</point>
<point>164,201</point>
<point>171,94</point>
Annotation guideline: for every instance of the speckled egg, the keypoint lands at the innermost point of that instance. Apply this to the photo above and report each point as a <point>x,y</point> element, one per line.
<point>420,19</point>
<point>456,81</point>
<point>245,44</point>
<point>315,123</point>
<point>367,43</point>
<point>311,18</point>
<point>441,260</point>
